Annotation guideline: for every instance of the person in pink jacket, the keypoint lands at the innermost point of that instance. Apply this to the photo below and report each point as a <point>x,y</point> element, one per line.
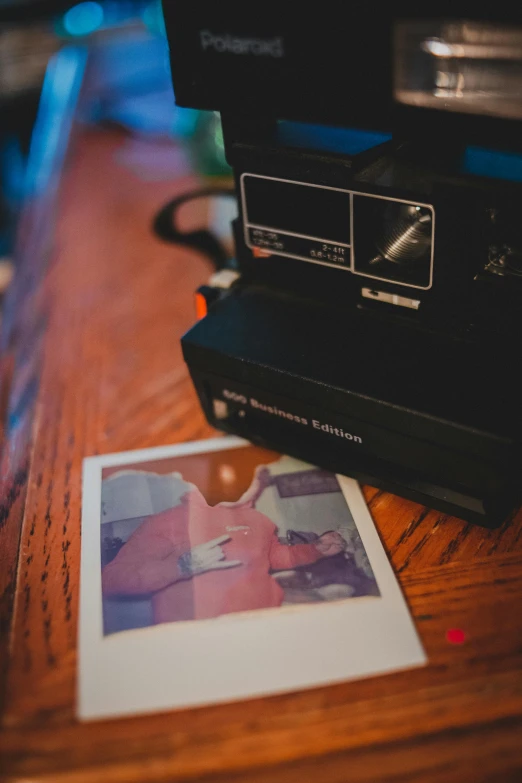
<point>200,561</point>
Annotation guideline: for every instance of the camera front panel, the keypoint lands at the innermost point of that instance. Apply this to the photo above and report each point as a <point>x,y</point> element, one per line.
<point>382,238</point>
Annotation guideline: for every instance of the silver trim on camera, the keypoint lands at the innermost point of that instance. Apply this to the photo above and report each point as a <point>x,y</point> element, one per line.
<point>394,299</point>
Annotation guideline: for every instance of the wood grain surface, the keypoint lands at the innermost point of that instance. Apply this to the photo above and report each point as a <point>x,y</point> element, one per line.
<point>92,365</point>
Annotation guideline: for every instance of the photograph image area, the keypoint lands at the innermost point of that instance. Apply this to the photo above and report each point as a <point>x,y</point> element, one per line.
<point>199,536</point>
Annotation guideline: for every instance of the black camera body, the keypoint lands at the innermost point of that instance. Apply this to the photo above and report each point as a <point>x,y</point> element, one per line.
<point>375,325</point>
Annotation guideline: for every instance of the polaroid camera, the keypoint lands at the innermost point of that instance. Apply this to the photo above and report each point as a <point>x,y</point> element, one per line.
<point>375,319</point>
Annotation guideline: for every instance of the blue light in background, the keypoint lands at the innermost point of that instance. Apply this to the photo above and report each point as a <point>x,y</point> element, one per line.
<point>61,85</point>
<point>153,18</point>
<point>83,19</point>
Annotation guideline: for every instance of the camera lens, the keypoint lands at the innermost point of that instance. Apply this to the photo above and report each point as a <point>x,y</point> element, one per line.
<point>393,240</point>
<point>406,234</point>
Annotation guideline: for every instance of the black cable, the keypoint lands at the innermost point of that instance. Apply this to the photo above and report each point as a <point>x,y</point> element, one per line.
<point>164,226</point>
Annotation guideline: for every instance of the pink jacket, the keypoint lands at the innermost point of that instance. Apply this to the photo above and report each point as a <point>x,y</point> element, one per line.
<point>140,566</point>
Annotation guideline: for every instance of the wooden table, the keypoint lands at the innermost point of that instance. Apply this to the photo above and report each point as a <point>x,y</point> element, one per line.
<point>91,364</point>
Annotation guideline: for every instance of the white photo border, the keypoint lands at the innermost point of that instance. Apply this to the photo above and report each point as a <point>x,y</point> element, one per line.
<point>170,666</point>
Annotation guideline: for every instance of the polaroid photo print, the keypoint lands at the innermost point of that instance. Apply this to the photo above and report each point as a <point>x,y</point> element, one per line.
<point>217,570</point>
